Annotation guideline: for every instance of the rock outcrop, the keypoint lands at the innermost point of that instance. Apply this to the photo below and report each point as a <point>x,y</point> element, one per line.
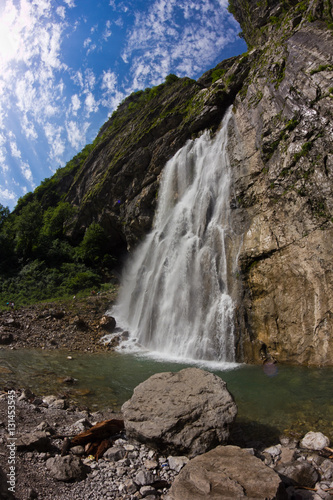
<point>226,472</point>
<point>188,412</point>
<point>282,155</point>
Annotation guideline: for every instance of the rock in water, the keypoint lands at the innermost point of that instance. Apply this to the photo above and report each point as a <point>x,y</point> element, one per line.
<point>226,472</point>
<point>188,412</point>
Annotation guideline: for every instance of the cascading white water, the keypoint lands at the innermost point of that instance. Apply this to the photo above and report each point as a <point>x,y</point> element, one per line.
<point>175,295</point>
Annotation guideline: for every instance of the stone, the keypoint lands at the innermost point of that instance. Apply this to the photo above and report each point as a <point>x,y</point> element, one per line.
<point>188,412</point>
<point>130,486</point>
<point>37,441</point>
<point>298,473</point>
<point>49,399</point>
<point>115,453</point>
<point>147,490</point>
<point>150,464</point>
<point>67,469</point>
<point>287,455</point>
<point>77,450</point>
<point>226,472</point>
<point>45,426</point>
<point>82,425</point>
<point>314,441</point>
<point>274,451</point>
<point>177,463</point>
<point>108,323</point>
<point>144,478</point>
<point>326,469</point>
<point>59,404</point>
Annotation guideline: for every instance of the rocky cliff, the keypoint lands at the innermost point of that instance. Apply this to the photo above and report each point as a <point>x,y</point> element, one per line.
<point>282,155</point>
<point>281,152</point>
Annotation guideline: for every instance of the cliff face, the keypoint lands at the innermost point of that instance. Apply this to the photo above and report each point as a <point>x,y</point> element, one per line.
<point>117,185</point>
<point>281,149</point>
<point>282,154</point>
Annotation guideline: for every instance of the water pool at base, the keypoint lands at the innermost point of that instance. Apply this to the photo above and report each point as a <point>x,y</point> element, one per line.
<point>293,400</point>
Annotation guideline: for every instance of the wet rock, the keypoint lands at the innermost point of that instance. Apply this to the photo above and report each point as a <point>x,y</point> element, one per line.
<point>69,380</point>
<point>37,440</point>
<point>67,468</point>
<point>226,472</point>
<point>188,412</point>
<point>314,441</point>
<point>108,323</point>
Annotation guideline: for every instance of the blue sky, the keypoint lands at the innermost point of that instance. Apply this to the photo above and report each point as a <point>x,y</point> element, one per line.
<point>65,65</point>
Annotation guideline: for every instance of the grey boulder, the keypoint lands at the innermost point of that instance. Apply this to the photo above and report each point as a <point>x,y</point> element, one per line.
<point>226,472</point>
<point>184,413</point>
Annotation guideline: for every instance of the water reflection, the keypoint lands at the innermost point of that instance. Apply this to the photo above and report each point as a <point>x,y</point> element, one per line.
<point>295,399</point>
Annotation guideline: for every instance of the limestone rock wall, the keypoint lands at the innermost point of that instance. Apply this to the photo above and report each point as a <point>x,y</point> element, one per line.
<point>282,156</point>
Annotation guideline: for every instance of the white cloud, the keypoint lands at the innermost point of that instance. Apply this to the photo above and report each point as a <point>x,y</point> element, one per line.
<point>14,150</point>
<point>28,128</point>
<point>107,32</point>
<point>177,35</point>
<point>61,11</point>
<point>70,3</point>
<point>27,173</point>
<point>7,195</point>
<point>87,42</point>
<point>76,103</point>
<point>111,96</point>
<point>109,81</point>
<point>90,103</point>
<point>54,138</point>
<point>76,133</point>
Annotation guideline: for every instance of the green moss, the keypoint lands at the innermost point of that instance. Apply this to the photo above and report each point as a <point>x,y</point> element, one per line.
<point>217,74</point>
<point>322,67</point>
<point>303,152</point>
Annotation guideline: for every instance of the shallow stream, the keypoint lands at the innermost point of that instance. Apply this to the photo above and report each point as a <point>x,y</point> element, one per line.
<point>291,399</point>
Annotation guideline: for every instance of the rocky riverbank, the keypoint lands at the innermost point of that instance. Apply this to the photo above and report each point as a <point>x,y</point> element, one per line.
<point>76,324</point>
<point>47,468</point>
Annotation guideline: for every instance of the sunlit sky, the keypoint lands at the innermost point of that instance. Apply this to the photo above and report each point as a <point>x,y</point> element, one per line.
<point>66,64</point>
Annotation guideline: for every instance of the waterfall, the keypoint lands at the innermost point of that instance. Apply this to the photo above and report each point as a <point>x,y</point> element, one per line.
<point>176,291</point>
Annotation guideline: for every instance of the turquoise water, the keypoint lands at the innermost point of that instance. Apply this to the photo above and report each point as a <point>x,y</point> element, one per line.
<point>293,400</point>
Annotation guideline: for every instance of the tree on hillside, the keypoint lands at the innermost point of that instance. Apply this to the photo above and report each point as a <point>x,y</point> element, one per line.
<point>4,212</point>
<point>28,225</point>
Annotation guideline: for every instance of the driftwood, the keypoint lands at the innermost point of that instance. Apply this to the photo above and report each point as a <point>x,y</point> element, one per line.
<point>98,433</point>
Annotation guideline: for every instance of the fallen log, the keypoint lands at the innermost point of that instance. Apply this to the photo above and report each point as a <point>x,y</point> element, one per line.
<point>99,432</point>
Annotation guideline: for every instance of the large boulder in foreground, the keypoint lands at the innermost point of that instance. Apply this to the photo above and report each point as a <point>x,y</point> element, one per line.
<point>226,472</point>
<point>185,413</point>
